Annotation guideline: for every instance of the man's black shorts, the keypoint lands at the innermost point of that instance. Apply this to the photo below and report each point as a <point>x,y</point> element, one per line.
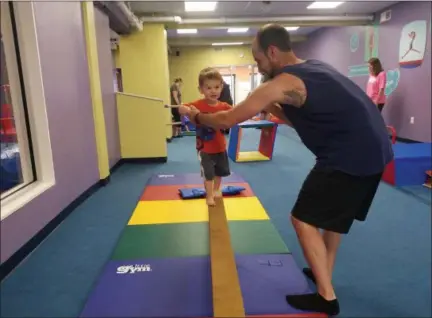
<point>332,200</point>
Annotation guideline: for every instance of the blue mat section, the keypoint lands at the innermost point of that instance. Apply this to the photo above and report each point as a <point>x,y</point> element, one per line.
<point>411,162</point>
<point>187,178</point>
<point>181,287</point>
<point>178,287</point>
<point>266,279</point>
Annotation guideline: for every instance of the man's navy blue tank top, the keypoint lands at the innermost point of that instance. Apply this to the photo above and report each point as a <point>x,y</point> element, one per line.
<point>339,123</point>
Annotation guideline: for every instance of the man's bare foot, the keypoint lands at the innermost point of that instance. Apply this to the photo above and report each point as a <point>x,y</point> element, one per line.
<point>210,201</point>
<point>218,194</point>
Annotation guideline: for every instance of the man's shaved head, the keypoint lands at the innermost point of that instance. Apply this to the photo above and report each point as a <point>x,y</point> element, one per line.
<point>273,35</point>
<point>270,44</point>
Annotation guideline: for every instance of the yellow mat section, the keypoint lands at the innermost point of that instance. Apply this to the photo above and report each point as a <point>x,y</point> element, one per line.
<point>185,211</point>
<point>251,156</point>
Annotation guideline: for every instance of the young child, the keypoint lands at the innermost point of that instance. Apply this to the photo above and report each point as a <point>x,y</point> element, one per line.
<point>211,143</point>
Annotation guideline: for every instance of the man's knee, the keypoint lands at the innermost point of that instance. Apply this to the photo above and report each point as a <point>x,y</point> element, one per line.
<point>294,220</point>
<point>297,223</point>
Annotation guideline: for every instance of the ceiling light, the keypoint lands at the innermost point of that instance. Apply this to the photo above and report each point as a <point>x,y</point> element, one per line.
<point>292,28</point>
<point>200,6</point>
<point>324,5</point>
<point>237,30</point>
<point>187,31</point>
<point>227,43</point>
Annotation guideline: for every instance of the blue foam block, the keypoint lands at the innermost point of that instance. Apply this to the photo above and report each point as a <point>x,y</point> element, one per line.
<point>412,150</point>
<point>194,193</point>
<point>179,287</point>
<point>256,123</point>
<point>411,162</point>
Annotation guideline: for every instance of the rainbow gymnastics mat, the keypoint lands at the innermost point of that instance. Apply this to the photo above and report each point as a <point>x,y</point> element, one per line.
<point>160,266</point>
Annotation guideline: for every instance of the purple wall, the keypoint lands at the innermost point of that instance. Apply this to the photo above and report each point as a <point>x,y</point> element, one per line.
<point>412,97</point>
<point>106,68</point>
<point>67,92</point>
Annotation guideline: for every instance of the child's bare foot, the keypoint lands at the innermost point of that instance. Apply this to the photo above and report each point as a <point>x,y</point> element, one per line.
<point>210,201</point>
<point>218,194</point>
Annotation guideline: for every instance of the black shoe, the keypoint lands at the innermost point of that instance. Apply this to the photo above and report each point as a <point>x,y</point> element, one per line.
<point>314,302</point>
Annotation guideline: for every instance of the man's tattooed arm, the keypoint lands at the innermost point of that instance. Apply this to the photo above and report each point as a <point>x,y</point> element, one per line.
<point>295,97</point>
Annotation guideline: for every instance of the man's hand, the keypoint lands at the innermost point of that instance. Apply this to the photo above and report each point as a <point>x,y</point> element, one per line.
<point>189,111</point>
<point>277,111</point>
<point>184,110</point>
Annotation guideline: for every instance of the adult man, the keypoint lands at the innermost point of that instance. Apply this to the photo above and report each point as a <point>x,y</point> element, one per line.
<point>339,123</point>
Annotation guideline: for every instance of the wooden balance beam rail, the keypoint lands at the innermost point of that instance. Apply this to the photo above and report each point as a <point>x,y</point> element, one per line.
<point>227,295</point>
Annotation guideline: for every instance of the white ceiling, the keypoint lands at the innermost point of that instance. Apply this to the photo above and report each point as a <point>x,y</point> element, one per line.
<point>255,8</point>
<point>252,14</point>
<point>220,32</point>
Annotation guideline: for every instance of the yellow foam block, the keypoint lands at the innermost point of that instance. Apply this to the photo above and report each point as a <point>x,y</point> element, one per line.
<point>196,210</point>
<point>251,156</point>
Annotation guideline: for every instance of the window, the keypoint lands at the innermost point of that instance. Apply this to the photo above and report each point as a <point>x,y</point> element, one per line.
<point>118,85</point>
<point>26,163</point>
<point>230,80</point>
<point>256,77</point>
<point>17,168</point>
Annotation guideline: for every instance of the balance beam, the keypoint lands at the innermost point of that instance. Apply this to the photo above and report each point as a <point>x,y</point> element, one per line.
<point>227,295</point>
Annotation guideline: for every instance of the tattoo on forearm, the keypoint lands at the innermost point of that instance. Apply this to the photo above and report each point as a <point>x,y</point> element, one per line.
<point>295,97</point>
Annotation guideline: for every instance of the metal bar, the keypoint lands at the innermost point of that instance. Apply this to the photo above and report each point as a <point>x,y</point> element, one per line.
<point>227,295</point>
<point>141,96</point>
<point>172,106</point>
<point>280,19</point>
<point>175,123</point>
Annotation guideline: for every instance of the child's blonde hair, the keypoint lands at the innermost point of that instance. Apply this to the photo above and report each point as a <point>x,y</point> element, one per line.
<point>209,73</point>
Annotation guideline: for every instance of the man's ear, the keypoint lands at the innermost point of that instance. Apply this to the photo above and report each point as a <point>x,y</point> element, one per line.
<point>272,52</point>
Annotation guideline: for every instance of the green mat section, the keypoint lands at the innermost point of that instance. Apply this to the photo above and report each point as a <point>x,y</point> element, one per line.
<point>192,239</point>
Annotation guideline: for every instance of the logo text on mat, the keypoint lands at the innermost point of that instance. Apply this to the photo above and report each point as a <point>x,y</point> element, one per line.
<point>132,269</point>
<point>165,176</point>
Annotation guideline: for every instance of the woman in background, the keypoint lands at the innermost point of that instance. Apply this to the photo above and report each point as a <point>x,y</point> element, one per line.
<point>175,92</point>
<point>377,82</point>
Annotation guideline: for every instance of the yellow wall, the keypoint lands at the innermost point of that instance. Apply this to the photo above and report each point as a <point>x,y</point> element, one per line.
<point>143,57</point>
<point>141,127</point>
<point>193,59</point>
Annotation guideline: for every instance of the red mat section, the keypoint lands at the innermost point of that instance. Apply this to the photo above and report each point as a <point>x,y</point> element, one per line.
<point>171,192</point>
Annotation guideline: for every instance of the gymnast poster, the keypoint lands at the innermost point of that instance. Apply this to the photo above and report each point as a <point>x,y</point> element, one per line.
<point>371,42</point>
<point>412,44</point>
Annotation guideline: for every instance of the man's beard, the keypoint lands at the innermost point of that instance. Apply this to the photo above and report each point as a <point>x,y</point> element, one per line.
<point>271,73</point>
